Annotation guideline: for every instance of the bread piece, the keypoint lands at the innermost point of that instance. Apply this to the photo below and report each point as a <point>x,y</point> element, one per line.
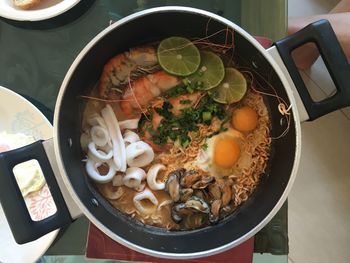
<point>26,4</point>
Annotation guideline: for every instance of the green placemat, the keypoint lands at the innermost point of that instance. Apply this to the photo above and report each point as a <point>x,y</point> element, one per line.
<point>273,238</point>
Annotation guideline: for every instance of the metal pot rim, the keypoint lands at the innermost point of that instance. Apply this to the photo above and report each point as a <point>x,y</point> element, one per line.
<point>92,218</point>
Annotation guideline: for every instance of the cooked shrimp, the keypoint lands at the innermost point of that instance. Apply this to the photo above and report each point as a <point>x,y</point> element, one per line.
<point>117,70</point>
<point>183,102</point>
<point>179,103</point>
<point>156,119</point>
<point>144,89</point>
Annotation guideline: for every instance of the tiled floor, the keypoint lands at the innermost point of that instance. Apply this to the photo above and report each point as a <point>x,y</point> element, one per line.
<point>319,204</point>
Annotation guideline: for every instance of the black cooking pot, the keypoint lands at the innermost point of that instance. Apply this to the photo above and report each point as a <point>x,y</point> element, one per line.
<point>64,169</point>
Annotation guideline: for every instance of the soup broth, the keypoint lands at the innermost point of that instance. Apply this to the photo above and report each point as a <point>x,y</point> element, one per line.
<point>175,135</point>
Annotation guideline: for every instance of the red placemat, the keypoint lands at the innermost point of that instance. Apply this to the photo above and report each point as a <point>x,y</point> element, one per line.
<point>100,246</point>
<point>264,41</point>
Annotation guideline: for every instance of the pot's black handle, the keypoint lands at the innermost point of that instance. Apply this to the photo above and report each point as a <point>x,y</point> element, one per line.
<point>23,228</point>
<point>322,34</point>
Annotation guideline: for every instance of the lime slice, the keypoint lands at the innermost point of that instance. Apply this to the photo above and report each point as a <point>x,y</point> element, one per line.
<point>211,71</point>
<point>178,56</point>
<point>231,89</point>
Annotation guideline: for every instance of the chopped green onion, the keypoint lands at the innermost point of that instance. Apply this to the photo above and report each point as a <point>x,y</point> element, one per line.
<point>186,81</point>
<point>178,128</point>
<point>206,115</point>
<point>185,143</point>
<point>189,89</point>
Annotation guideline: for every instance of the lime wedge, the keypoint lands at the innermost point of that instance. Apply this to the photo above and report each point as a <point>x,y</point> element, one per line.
<point>178,56</point>
<point>231,89</point>
<point>211,71</point>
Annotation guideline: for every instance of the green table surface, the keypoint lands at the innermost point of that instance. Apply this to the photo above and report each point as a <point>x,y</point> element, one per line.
<point>35,56</point>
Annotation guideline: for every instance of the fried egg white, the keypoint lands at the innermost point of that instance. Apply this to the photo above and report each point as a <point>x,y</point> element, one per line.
<point>28,174</point>
<point>222,154</point>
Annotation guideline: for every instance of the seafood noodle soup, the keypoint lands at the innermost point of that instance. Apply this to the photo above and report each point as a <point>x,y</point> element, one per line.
<point>175,134</point>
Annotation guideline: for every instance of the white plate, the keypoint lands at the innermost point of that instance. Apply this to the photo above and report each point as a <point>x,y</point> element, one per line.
<point>45,10</point>
<point>19,115</point>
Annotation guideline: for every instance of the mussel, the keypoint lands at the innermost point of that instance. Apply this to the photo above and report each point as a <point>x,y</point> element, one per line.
<point>189,178</point>
<point>193,192</point>
<point>225,186</point>
<point>197,204</point>
<point>185,194</point>
<point>193,205</point>
<point>178,211</point>
<point>226,194</point>
<point>172,185</point>
<point>215,211</point>
<point>215,191</point>
<point>195,220</point>
<point>203,194</point>
<point>203,182</point>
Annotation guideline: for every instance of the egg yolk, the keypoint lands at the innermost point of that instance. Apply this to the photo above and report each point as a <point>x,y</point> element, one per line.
<point>244,119</point>
<point>226,152</point>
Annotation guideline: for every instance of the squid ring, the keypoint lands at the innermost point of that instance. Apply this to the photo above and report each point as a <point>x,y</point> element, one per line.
<point>99,135</point>
<point>133,177</point>
<point>98,153</point>
<point>152,177</point>
<point>91,169</point>
<point>96,119</point>
<point>112,195</point>
<point>130,137</point>
<point>129,124</point>
<point>146,194</point>
<point>139,154</point>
